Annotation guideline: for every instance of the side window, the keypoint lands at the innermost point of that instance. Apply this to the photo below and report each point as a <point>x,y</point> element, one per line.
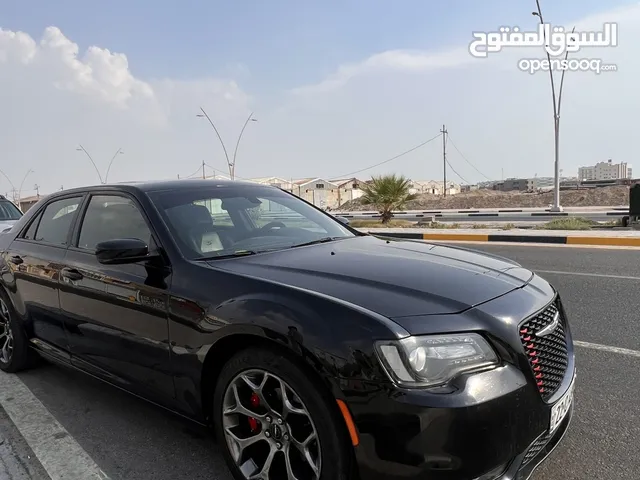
<point>30,234</point>
<point>109,217</point>
<point>56,220</point>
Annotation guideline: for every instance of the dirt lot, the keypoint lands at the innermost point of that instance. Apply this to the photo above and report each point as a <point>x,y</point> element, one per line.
<point>605,196</point>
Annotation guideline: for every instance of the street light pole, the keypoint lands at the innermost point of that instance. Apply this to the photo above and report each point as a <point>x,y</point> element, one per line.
<point>231,163</point>
<point>118,152</point>
<point>22,183</point>
<point>11,183</point>
<point>556,118</point>
<point>226,155</point>
<point>235,152</point>
<point>82,149</point>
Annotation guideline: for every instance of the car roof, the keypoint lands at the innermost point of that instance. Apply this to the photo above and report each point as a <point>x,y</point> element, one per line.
<point>160,185</point>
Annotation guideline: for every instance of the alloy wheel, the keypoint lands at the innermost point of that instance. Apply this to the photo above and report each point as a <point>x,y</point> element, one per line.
<point>268,429</point>
<point>6,335</point>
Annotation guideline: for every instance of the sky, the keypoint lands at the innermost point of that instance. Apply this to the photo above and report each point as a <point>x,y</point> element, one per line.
<point>335,87</point>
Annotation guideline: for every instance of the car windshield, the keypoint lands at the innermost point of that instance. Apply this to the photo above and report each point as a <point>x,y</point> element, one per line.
<point>8,211</point>
<point>233,220</point>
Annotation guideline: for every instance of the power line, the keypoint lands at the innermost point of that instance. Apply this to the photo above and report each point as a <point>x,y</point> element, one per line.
<point>465,158</point>
<point>197,172</point>
<point>388,160</point>
<point>454,171</point>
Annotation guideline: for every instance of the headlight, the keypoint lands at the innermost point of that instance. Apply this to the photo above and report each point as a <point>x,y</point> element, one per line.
<point>432,360</point>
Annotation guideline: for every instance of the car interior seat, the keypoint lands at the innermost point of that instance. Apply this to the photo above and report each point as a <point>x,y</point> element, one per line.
<point>194,226</point>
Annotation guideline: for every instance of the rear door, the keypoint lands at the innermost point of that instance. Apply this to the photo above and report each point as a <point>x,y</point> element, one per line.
<point>117,314</point>
<point>35,258</point>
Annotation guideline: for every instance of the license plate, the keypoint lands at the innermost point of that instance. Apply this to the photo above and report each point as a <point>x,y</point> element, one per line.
<point>561,408</point>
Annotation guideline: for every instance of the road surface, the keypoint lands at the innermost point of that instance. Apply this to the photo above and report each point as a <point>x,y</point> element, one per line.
<point>129,439</point>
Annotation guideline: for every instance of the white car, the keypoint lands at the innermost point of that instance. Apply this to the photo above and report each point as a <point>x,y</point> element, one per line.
<point>9,214</point>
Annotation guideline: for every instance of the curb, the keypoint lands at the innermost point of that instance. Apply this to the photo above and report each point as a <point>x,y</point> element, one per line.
<point>476,213</point>
<point>544,239</point>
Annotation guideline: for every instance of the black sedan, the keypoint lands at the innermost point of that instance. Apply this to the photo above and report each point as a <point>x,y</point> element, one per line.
<point>313,350</point>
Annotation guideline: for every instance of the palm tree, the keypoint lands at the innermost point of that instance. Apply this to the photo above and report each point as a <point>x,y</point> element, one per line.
<point>387,193</point>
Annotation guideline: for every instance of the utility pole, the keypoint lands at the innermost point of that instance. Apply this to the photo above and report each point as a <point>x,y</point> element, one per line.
<point>36,187</point>
<point>203,175</point>
<point>444,159</point>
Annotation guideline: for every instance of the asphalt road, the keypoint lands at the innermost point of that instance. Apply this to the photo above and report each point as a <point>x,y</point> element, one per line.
<point>130,439</point>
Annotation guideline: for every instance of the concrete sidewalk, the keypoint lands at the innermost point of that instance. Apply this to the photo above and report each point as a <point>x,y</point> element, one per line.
<point>627,238</point>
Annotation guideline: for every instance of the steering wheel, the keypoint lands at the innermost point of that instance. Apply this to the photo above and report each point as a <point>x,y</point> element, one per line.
<point>271,225</point>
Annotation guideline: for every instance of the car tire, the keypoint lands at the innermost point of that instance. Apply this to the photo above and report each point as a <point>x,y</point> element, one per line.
<point>14,339</point>
<point>335,451</point>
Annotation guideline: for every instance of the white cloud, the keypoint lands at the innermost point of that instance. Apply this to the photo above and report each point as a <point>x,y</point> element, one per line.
<point>99,73</point>
<point>398,60</point>
<point>54,96</point>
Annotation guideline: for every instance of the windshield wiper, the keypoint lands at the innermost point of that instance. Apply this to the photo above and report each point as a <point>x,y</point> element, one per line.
<point>238,253</point>
<point>315,242</point>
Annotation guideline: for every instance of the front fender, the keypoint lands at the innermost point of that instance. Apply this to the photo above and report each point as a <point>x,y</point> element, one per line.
<point>334,341</point>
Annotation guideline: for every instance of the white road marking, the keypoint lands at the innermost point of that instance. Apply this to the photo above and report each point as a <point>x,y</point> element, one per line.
<point>581,274</point>
<point>60,455</point>
<point>607,348</point>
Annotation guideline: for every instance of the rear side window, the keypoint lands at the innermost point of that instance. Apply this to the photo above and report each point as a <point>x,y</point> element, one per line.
<point>30,234</point>
<point>56,220</point>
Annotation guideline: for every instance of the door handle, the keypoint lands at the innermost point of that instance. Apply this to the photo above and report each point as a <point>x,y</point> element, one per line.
<point>16,260</point>
<point>71,274</point>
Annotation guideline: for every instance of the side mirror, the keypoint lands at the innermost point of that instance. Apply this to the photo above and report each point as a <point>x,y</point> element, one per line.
<point>121,251</point>
<point>343,220</point>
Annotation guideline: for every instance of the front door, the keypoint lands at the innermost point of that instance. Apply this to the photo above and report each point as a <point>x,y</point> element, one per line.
<point>117,314</point>
<point>35,257</point>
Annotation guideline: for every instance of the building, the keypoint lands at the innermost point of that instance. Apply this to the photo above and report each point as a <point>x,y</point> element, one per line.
<point>605,171</point>
<point>348,189</point>
<point>277,182</point>
<point>318,191</point>
<point>516,185</point>
<point>25,203</point>
<point>544,183</point>
<point>432,187</point>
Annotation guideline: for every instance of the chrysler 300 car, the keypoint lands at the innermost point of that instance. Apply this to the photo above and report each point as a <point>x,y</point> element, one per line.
<point>313,350</point>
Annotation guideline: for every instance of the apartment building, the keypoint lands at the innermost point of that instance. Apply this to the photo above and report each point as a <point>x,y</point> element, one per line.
<point>605,171</point>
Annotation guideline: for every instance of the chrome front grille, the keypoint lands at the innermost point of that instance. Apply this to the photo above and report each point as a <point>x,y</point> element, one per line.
<point>546,348</point>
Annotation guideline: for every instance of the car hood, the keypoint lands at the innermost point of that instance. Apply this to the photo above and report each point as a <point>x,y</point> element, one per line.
<point>394,278</point>
<point>6,224</point>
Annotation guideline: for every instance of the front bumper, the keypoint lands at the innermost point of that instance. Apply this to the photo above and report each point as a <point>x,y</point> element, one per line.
<point>491,426</point>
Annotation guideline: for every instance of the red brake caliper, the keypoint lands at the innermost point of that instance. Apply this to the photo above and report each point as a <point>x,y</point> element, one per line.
<point>255,403</point>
